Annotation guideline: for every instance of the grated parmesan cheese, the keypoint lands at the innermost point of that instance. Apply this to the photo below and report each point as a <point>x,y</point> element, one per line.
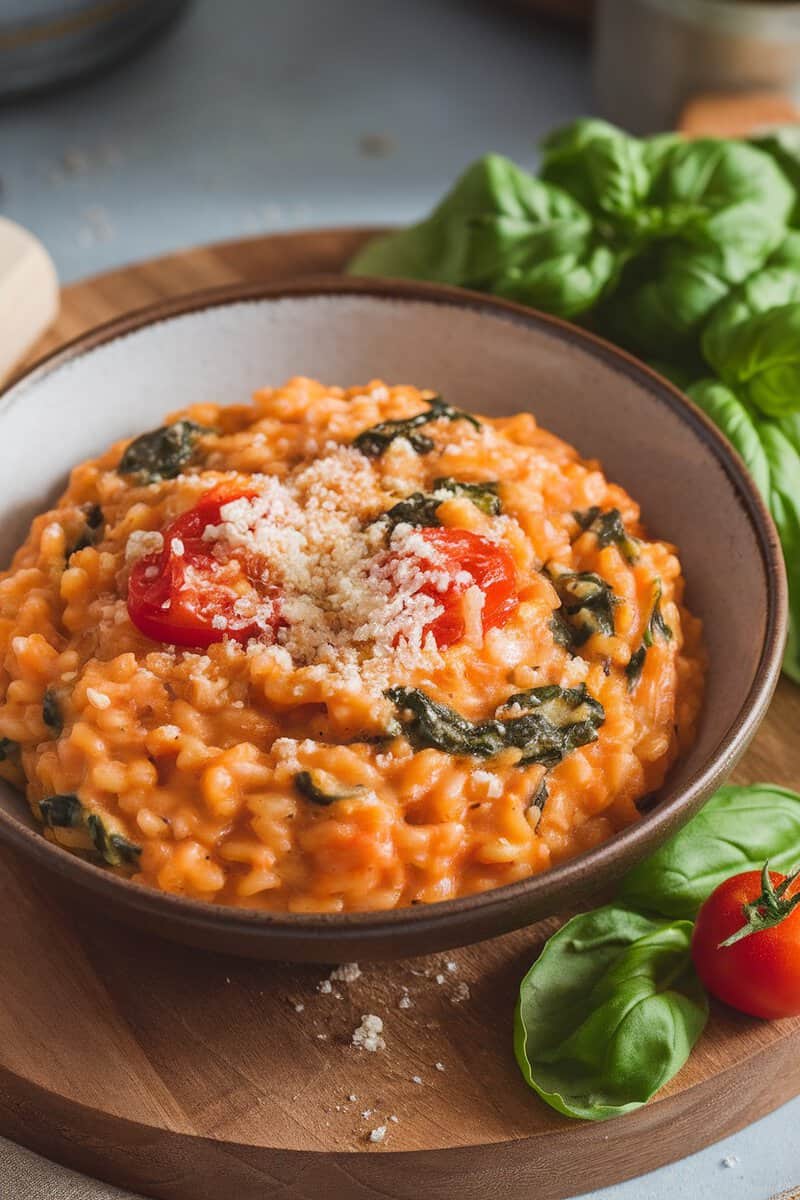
<point>141,543</point>
<point>346,973</point>
<point>351,606</point>
<point>368,1034</point>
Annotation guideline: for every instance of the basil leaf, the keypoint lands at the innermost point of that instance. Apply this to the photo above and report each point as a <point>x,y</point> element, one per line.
<point>500,230</point>
<point>726,207</point>
<point>161,453</point>
<point>608,1013</point>
<point>605,169</point>
<point>737,830</point>
<point>761,354</point>
<point>771,451</point>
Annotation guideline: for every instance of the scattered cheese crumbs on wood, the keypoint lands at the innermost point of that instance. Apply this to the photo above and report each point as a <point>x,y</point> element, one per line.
<point>323,1037</point>
<point>416,1079</point>
<point>299,1007</point>
<point>439,1066</point>
<point>460,992</point>
<point>395,1119</point>
<point>367,1113</point>
<point>405,1002</point>
<point>346,973</point>
<point>368,1034</point>
<point>352,1098</point>
<point>451,965</point>
<point>377,1135</point>
<point>325,987</point>
<point>440,979</point>
<point>97,699</point>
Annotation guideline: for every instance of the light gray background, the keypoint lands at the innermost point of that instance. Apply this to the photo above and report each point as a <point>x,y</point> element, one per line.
<point>254,116</point>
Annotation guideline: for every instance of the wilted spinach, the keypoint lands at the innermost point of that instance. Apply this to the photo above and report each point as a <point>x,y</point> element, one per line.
<point>420,508</point>
<point>373,441</point>
<point>633,671</point>
<point>545,724</point>
<point>65,811</point>
<point>161,453</point>
<point>322,788</point>
<point>737,830</point>
<point>91,531</point>
<point>8,749</point>
<point>587,602</point>
<point>609,1012</point>
<point>609,529</point>
<point>51,712</point>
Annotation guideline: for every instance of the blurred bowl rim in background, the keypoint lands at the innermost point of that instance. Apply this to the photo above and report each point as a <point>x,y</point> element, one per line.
<point>46,43</point>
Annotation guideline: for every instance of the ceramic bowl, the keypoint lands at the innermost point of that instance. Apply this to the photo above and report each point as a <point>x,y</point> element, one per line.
<point>482,354</point>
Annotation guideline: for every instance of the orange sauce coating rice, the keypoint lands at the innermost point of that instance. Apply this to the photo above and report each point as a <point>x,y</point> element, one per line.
<point>265,766</point>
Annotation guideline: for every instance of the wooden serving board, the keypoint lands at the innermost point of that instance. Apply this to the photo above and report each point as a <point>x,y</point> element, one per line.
<point>191,1077</point>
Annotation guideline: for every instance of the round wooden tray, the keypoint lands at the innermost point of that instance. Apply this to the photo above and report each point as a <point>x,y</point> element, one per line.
<point>191,1077</point>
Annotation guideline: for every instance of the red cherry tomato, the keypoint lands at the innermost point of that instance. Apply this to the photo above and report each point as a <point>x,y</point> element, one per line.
<point>184,595</point>
<point>759,974</point>
<point>470,560</point>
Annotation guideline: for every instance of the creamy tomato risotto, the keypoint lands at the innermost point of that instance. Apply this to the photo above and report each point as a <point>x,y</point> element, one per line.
<point>340,650</point>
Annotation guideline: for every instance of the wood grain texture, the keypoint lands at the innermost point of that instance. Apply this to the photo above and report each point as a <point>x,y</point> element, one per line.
<point>196,1077</point>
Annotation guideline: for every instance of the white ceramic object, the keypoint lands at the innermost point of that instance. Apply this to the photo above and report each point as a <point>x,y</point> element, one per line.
<point>483,356</point>
<point>28,293</point>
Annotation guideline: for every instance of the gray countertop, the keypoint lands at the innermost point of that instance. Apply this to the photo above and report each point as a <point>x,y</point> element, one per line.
<point>255,116</point>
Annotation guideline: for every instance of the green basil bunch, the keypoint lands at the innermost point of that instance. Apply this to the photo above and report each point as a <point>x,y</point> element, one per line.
<point>611,1009</point>
<point>684,252</point>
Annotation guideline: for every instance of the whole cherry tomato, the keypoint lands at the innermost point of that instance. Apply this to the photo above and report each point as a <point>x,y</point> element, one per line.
<point>746,943</point>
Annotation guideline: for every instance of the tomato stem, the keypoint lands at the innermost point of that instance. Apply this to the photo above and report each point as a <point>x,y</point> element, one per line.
<point>768,909</point>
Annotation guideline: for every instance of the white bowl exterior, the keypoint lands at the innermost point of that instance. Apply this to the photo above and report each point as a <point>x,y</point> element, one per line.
<point>481,361</point>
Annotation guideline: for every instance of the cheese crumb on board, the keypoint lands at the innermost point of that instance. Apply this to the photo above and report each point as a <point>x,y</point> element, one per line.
<point>368,1035</point>
<point>346,973</point>
<point>378,1135</point>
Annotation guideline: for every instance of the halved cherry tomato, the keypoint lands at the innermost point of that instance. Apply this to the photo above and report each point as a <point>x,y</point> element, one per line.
<point>759,971</point>
<point>184,595</point>
<point>470,560</point>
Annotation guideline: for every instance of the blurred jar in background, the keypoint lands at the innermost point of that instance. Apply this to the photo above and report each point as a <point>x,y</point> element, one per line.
<point>47,42</point>
<point>651,56</point>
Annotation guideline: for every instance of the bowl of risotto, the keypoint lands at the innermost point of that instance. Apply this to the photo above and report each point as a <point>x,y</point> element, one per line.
<point>350,618</point>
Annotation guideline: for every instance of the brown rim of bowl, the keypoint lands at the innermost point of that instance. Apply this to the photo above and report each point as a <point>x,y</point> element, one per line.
<point>31,843</point>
